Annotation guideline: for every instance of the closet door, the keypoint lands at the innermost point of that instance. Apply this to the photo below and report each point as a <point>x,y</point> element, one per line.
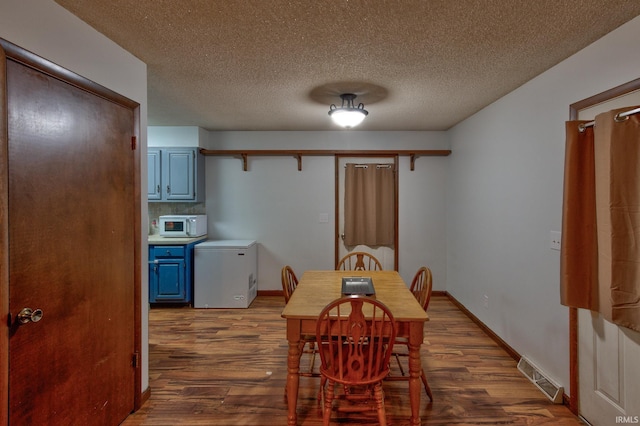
<point>71,252</point>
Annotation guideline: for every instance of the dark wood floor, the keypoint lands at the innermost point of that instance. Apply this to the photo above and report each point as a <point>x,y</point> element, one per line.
<point>228,367</point>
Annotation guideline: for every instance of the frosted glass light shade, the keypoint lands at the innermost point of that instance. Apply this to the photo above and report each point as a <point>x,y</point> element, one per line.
<point>347,118</point>
<point>347,115</point>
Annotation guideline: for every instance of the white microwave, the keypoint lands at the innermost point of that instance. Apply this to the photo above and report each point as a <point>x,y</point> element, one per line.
<point>183,226</point>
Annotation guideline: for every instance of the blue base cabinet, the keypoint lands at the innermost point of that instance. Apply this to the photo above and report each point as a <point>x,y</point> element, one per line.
<point>171,273</point>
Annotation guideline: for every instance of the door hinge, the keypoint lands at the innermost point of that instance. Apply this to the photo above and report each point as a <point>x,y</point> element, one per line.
<point>135,360</point>
<point>133,143</point>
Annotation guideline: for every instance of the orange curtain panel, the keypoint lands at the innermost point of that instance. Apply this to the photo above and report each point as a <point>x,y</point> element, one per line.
<point>369,212</point>
<point>600,259</point>
<point>579,248</point>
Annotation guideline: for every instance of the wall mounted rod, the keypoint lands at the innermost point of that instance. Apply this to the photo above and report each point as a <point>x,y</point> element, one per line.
<point>244,154</point>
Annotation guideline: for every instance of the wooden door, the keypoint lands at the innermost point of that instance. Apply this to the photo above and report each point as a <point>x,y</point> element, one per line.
<point>71,252</point>
<point>386,255</point>
<point>608,355</point>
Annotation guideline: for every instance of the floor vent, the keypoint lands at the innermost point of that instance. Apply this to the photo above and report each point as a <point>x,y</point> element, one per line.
<point>539,378</point>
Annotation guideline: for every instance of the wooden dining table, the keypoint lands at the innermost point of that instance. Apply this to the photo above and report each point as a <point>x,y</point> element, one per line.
<point>316,289</point>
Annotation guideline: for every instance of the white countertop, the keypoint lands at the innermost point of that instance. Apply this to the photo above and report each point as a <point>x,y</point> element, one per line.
<point>157,240</point>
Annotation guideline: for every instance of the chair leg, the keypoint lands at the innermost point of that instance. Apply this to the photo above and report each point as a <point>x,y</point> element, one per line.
<point>399,364</point>
<point>323,381</point>
<point>328,402</point>
<point>427,389</point>
<point>312,357</point>
<point>379,398</point>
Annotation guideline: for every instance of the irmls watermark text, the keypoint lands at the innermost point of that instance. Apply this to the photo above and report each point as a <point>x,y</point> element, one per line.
<point>627,419</point>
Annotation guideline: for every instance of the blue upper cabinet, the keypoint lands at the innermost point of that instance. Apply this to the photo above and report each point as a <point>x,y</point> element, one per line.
<point>176,175</point>
<point>154,192</point>
<point>180,177</point>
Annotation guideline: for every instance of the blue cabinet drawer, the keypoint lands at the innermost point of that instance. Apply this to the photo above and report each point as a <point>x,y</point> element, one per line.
<point>168,251</point>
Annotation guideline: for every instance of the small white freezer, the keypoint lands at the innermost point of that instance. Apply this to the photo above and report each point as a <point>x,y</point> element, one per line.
<point>225,273</point>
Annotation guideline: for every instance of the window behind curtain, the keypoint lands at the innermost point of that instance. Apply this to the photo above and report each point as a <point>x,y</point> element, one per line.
<point>369,204</point>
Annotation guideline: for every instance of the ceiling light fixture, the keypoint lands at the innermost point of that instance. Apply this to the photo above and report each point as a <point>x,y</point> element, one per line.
<point>348,115</point>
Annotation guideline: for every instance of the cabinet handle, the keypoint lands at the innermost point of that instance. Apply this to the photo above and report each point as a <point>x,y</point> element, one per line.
<point>168,190</point>
<point>158,190</point>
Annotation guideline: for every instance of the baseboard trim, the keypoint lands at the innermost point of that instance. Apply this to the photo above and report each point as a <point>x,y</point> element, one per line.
<point>271,293</point>
<point>504,345</point>
<point>146,394</point>
<point>566,399</point>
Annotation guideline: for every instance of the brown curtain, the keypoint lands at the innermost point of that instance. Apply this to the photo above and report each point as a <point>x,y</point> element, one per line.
<point>369,204</point>
<point>600,261</point>
<point>579,248</point>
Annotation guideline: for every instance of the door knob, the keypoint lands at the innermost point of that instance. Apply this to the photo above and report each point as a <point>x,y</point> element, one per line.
<point>29,315</point>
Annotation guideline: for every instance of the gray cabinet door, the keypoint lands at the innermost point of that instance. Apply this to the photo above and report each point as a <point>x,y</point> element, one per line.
<point>154,173</point>
<point>179,174</point>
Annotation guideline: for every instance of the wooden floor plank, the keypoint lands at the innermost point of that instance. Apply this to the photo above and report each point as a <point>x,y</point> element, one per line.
<point>227,367</point>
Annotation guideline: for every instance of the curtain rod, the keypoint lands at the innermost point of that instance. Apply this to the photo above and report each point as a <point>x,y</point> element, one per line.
<point>366,166</point>
<point>621,116</point>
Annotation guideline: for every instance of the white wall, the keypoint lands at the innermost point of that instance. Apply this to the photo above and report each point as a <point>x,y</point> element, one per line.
<point>177,136</point>
<point>48,30</point>
<point>280,206</point>
<point>505,196</point>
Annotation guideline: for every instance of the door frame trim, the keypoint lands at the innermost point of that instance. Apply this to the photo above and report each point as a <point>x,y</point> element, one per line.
<point>574,109</point>
<point>337,157</point>
<point>4,240</point>
<point>9,51</point>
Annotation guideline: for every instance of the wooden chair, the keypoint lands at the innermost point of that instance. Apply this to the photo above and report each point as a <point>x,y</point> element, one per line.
<point>354,335</point>
<point>289,282</point>
<point>359,261</point>
<point>421,287</point>
<point>308,342</point>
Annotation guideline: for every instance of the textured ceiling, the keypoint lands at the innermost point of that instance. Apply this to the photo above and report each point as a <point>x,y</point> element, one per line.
<point>279,64</point>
